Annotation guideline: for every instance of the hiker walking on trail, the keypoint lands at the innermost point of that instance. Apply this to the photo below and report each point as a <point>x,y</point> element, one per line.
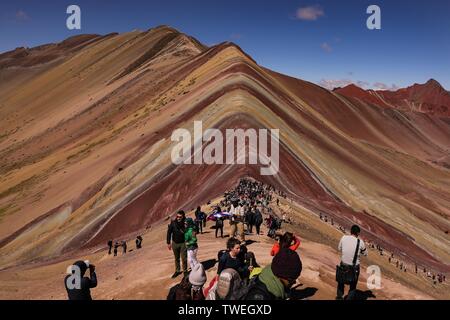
<point>237,220</point>
<point>249,219</point>
<point>233,218</point>
<point>110,244</point>
<point>274,226</point>
<point>116,247</point>
<point>199,217</point>
<point>351,247</point>
<point>138,242</point>
<point>190,237</point>
<point>78,286</point>
<point>176,242</point>
<point>219,226</point>
<point>275,281</point>
<point>258,220</point>
<point>124,246</point>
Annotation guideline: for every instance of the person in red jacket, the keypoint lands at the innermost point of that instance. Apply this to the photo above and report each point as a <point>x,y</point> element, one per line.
<point>287,240</point>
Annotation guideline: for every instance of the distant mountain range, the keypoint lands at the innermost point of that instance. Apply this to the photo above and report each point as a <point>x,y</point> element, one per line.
<point>430,98</point>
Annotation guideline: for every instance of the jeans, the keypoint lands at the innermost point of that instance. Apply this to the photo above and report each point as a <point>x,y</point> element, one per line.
<point>258,226</point>
<point>199,225</point>
<point>221,231</point>
<point>233,229</point>
<point>179,250</point>
<point>352,290</point>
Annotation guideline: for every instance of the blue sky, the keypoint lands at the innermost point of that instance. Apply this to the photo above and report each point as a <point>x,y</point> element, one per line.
<point>326,42</point>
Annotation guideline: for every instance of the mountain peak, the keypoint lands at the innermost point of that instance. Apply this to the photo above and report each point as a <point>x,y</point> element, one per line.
<point>433,83</point>
<point>350,88</point>
<point>430,97</point>
<point>164,27</point>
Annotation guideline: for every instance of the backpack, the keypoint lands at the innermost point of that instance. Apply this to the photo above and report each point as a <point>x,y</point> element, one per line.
<point>220,254</point>
<point>256,290</point>
<point>230,286</point>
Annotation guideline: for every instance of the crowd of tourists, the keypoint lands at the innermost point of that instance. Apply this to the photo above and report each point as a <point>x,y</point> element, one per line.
<point>239,276</point>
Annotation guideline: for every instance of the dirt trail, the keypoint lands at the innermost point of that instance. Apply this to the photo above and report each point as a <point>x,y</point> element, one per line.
<point>145,274</point>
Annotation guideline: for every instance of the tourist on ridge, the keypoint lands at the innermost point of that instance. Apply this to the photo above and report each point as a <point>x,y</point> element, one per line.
<point>139,242</point>
<point>124,247</point>
<point>232,260</point>
<point>351,247</point>
<point>219,226</point>
<point>176,242</point>
<point>116,248</point>
<point>110,244</point>
<point>258,221</point>
<point>80,289</point>
<point>190,237</point>
<point>199,217</point>
<point>275,280</point>
<point>287,240</point>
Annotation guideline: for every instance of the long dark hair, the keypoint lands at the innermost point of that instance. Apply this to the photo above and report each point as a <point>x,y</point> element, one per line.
<point>286,240</point>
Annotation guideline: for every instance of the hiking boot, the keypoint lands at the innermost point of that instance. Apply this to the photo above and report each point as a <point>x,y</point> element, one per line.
<point>176,274</point>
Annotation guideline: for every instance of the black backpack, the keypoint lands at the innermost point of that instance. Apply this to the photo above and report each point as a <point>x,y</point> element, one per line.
<point>220,254</point>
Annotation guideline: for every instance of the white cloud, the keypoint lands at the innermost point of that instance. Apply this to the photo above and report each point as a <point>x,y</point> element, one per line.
<point>310,13</point>
<point>326,47</point>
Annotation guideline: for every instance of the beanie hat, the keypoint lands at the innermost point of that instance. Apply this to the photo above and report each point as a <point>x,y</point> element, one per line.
<point>287,264</point>
<point>197,277</point>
